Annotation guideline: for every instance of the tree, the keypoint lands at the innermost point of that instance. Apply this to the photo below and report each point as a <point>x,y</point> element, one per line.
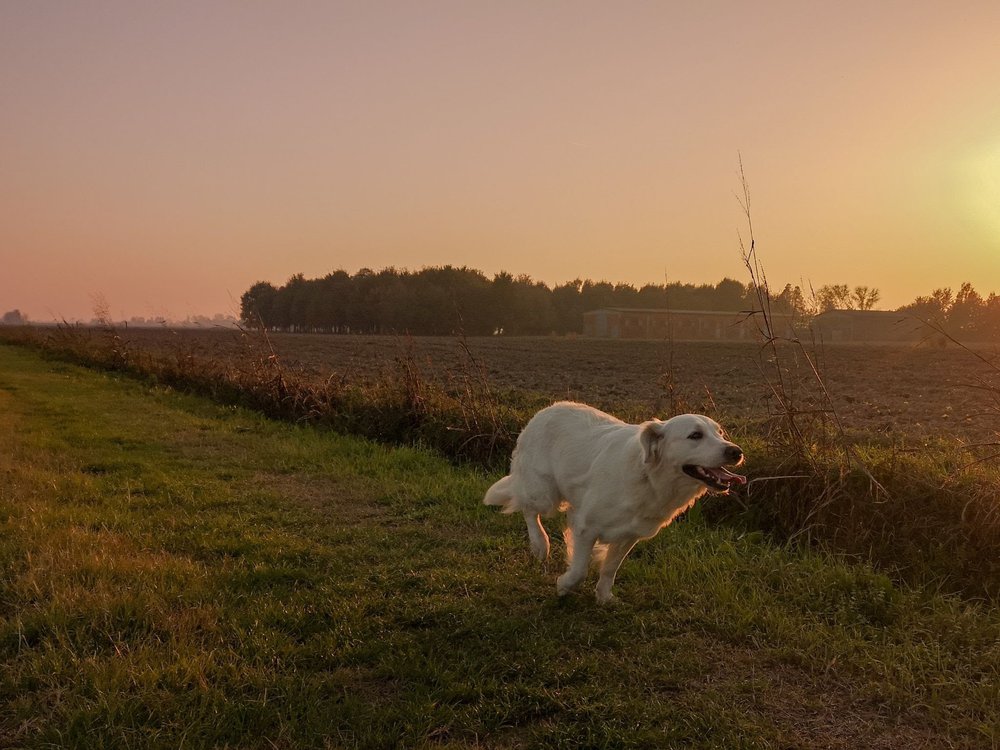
<point>334,300</point>
<point>864,298</point>
<point>625,295</point>
<point>596,294</point>
<point>14,318</point>
<point>652,297</point>
<point>256,304</point>
<point>533,311</point>
<point>842,297</point>
<point>834,297</point>
<point>731,295</point>
<point>466,305</point>
<point>791,301</point>
<point>966,313</point>
<point>991,317</point>
<point>933,308</point>
<point>502,300</point>
<point>568,307</point>
<point>443,300</point>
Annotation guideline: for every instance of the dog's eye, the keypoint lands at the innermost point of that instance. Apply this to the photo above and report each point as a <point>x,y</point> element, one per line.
<point>696,435</point>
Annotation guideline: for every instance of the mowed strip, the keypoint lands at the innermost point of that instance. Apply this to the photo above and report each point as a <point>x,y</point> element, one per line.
<point>179,573</point>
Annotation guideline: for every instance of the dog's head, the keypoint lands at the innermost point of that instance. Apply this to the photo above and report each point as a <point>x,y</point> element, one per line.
<point>694,445</point>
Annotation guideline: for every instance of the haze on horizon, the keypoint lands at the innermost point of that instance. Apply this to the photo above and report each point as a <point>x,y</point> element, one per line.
<point>168,155</point>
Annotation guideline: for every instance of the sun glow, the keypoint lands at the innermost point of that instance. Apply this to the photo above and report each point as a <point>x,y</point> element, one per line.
<point>984,188</point>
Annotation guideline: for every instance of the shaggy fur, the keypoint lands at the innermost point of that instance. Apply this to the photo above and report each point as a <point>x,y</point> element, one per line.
<point>618,482</point>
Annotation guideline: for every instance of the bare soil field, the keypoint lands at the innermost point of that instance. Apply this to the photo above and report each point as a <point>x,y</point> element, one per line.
<point>909,394</point>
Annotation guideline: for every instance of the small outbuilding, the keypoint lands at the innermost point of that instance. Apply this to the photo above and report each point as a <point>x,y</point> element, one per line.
<point>870,326</point>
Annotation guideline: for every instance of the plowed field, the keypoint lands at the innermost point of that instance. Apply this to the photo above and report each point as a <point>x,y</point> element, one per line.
<point>908,392</point>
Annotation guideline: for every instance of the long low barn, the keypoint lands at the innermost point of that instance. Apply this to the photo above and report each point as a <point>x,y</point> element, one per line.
<point>680,325</point>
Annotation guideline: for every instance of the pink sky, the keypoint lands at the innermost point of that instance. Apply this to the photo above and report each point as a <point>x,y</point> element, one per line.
<point>168,155</point>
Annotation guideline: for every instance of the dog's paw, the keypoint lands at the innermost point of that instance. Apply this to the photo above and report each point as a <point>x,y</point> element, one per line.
<point>564,585</point>
<point>540,551</point>
<point>606,597</point>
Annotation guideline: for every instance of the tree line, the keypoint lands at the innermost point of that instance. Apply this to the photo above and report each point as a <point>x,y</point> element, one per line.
<point>442,300</point>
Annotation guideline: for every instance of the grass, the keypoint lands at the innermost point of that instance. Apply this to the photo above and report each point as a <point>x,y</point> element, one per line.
<point>181,573</point>
<point>926,516</point>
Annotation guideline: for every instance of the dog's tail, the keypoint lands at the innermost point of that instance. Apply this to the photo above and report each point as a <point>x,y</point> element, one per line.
<point>500,494</point>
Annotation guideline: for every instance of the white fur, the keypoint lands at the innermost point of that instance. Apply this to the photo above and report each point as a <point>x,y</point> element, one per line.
<point>618,482</point>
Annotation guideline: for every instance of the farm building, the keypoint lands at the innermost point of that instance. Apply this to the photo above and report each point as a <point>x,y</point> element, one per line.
<point>679,325</point>
<point>868,326</point>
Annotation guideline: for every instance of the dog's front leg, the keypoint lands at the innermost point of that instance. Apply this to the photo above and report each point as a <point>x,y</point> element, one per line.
<point>583,546</point>
<point>617,551</point>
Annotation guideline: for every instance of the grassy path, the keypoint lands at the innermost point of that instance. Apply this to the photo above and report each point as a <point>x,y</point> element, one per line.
<point>175,573</point>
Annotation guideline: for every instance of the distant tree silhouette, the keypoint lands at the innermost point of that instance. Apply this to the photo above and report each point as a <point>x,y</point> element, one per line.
<point>791,301</point>
<point>966,315</point>
<point>446,299</point>
<point>933,308</point>
<point>567,306</point>
<point>443,300</point>
<point>257,305</point>
<point>834,297</point>
<point>864,298</point>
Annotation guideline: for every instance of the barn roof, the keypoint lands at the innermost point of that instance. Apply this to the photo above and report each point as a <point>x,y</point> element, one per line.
<point>667,310</point>
<point>862,314</point>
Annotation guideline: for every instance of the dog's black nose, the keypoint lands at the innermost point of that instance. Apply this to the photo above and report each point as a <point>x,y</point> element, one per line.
<point>733,454</point>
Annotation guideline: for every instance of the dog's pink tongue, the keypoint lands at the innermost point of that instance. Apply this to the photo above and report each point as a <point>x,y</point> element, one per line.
<point>726,476</point>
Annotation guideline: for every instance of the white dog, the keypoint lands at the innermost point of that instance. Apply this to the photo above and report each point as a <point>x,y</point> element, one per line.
<point>618,482</point>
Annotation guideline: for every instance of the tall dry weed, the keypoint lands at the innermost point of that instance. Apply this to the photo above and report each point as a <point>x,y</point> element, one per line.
<point>922,513</point>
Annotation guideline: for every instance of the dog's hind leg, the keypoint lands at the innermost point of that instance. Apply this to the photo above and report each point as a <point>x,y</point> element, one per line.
<point>612,561</point>
<point>536,534</point>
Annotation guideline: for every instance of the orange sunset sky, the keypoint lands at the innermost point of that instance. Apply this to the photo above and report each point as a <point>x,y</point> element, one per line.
<point>166,155</point>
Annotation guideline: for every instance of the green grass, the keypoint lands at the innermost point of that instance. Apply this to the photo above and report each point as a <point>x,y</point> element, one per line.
<point>926,516</point>
<point>178,573</point>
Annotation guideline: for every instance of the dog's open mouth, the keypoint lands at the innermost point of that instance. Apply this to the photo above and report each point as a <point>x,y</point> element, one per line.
<point>718,478</point>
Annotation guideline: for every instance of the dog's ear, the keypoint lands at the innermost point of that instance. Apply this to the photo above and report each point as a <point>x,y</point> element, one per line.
<point>651,438</point>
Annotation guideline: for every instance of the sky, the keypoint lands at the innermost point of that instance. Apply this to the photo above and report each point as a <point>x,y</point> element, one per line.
<point>163,157</point>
